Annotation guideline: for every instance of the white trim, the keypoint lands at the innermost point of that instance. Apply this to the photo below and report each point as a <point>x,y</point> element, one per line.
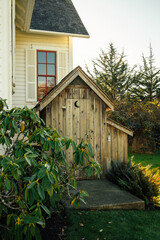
<point>70,54</point>
<point>58,33</point>
<point>6,64</point>
<point>24,15</point>
<point>13,41</point>
<point>28,15</point>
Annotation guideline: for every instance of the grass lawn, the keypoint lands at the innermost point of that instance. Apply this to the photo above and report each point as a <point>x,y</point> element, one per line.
<point>147,159</point>
<point>113,225</point>
<point>116,224</point>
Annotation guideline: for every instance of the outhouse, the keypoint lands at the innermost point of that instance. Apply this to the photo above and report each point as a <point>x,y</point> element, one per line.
<point>77,108</point>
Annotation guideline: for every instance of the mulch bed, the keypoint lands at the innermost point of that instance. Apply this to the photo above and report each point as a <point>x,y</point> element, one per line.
<point>55,227</point>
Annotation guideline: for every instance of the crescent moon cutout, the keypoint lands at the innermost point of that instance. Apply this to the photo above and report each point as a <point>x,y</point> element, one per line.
<point>75,104</point>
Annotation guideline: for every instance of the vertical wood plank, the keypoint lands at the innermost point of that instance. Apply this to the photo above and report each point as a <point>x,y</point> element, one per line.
<point>60,113</point>
<point>109,138</point>
<point>69,129</point>
<point>113,143</point>
<point>104,142</point>
<point>125,147</point>
<point>120,147</point>
<point>91,119</point>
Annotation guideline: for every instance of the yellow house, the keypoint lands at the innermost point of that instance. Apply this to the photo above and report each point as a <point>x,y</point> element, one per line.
<point>35,47</point>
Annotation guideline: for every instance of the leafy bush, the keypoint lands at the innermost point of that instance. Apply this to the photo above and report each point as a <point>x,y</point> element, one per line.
<point>34,174</point>
<point>143,182</point>
<point>143,118</point>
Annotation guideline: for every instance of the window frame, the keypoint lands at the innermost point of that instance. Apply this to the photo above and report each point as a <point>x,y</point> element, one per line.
<point>43,75</point>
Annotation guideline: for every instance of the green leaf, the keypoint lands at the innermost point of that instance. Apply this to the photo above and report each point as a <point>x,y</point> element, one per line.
<point>90,150</point>
<point>20,153</point>
<point>45,146</point>
<point>56,146</point>
<point>77,158</point>
<point>75,184</point>
<point>28,161</point>
<point>46,209</point>
<point>26,194</point>
<point>50,177</point>
<point>21,204</point>
<point>35,194</point>
<point>90,172</point>
<point>30,198</point>
<point>6,121</point>
<point>73,145</point>
<point>32,155</point>
<point>86,155</point>
<point>50,190</point>
<point>41,173</point>
<point>81,158</point>
<point>16,174</point>
<point>7,141</point>
<point>68,143</point>
<point>14,124</point>
<point>41,191</point>
<point>30,219</point>
<point>7,183</point>
<point>31,185</point>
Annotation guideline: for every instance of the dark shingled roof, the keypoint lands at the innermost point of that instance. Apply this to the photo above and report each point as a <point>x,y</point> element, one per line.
<point>57,16</point>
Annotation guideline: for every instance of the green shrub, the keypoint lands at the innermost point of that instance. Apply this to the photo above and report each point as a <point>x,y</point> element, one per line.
<point>34,174</point>
<point>143,118</point>
<point>143,182</point>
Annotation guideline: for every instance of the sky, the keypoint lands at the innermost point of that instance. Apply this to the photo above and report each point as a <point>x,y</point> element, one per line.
<point>131,25</point>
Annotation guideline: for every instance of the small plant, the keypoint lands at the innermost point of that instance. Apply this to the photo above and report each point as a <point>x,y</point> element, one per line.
<point>143,182</point>
<point>34,174</point>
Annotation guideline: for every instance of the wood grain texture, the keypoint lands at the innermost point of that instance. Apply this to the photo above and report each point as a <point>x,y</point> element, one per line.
<point>87,121</point>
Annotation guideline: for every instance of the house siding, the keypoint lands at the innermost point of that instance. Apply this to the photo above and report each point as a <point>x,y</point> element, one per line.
<point>1,48</point>
<point>5,51</point>
<point>26,41</point>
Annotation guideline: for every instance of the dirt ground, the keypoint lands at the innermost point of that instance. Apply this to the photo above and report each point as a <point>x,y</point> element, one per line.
<point>55,227</point>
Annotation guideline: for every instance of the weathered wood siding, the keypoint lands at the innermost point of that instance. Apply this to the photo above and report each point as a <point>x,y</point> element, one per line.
<point>117,145</point>
<point>87,122</point>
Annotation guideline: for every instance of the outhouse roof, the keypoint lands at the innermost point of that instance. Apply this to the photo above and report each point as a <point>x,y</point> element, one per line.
<point>57,16</point>
<point>66,81</point>
<point>119,127</point>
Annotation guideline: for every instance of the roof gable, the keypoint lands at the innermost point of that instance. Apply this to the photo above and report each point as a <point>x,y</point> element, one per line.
<point>69,79</point>
<point>57,16</point>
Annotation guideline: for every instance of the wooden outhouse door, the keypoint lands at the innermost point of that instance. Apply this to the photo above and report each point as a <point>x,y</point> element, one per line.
<point>86,119</point>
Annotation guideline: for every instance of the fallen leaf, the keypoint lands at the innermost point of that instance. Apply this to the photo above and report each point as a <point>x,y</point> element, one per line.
<point>81,225</point>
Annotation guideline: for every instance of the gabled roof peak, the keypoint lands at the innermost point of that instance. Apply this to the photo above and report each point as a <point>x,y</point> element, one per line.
<point>69,79</point>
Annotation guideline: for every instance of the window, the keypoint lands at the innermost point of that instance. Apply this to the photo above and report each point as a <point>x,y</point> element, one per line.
<point>46,72</point>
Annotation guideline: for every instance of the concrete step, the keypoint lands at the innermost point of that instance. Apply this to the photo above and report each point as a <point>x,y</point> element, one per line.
<point>103,194</point>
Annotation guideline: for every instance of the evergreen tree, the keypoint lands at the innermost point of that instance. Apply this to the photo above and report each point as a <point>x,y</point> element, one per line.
<point>149,85</point>
<point>111,71</point>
